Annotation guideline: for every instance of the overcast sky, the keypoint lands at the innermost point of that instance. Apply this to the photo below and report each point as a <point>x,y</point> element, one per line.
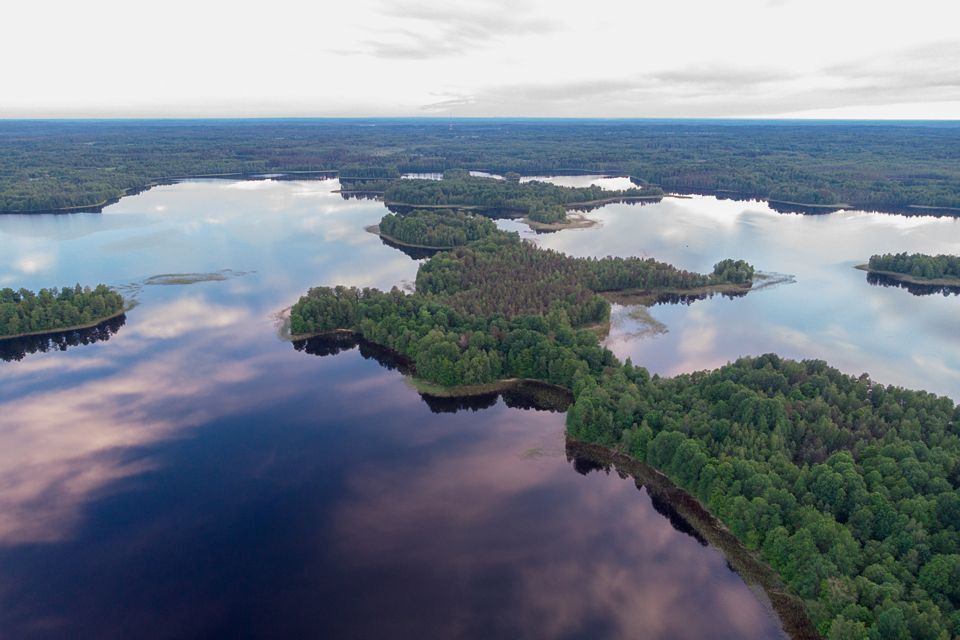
<point>682,58</point>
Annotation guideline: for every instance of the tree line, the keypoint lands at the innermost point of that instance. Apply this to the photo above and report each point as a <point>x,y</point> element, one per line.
<point>45,165</point>
<point>505,275</point>
<point>52,309</point>
<point>917,265</point>
<point>437,228</point>
<point>542,201</point>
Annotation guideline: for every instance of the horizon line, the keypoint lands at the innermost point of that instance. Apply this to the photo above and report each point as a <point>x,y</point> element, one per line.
<point>146,118</point>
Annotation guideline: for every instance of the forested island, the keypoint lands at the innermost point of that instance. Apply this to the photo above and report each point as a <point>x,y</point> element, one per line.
<point>916,268</point>
<point>906,167</point>
<point>846,487</point>
<point>25,313</point>
<point>434,229</point>
<point>537,202</point>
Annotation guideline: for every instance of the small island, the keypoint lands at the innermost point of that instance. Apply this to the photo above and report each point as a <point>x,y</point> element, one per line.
<point>434,229</point>
<point>25,313</point>
<point>541,205</point>
<point>916,268</point>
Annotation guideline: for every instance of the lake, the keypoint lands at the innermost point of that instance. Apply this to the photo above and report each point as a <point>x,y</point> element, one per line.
<point>187,473</point>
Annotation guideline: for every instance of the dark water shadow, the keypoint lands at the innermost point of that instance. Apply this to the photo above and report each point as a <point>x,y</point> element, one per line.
<point>524,394</point>
<point>361,195</point>
<point>882,280</point>
<point>15,349</point>
<point>417,253</point>
<point>688,299</point>
<point>527,394</point>
<point>334,343</point>
<point>584,464</point>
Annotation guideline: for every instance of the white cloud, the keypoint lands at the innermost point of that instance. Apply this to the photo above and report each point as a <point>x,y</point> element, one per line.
<point>487,57</point>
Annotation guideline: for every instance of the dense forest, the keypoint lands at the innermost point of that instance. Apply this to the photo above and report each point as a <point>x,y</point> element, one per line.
<point>436,228</point>
<point>917,265</point>
<point>888,166</point>
<point>539,201</point>
<point>506,276</point>
<point>53,309</point>
<point>848,488</point>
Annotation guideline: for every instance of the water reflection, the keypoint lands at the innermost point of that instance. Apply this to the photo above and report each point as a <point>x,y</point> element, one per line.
<point>266,514</point>
<point>521,395</point>
<point>195,476</point>
<point>417,253</point>
<point>828,313</point>
<point>585,465</point>
<point>915,288</point>
<point>16,349</point>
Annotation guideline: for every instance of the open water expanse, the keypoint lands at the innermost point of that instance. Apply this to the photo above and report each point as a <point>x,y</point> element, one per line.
<point>187,473</point>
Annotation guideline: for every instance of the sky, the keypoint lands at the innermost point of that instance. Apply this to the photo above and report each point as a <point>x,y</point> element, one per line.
<point>524,58</point>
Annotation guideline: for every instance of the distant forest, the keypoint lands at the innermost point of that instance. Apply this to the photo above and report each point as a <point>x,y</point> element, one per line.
<point>48,165</point>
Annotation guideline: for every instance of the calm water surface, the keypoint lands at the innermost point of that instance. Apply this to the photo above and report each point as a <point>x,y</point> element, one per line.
<point>188,474</point>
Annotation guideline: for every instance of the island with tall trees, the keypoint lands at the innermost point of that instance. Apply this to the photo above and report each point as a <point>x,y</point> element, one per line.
<point>847,488</point>
<point>540,204</point>
<point>434,229</point>
<point>25,313</point>
<point>916,268</point>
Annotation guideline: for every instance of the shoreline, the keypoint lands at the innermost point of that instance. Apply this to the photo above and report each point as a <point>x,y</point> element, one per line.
<point>97,207</point>
<point>77,327</point>
<point>905,277</point>
<point>759,576</point>
<point>647,297</point>
<point>375,230</point>
<point>575,221</point>
<point>424,387</point>
<point>676,192</point>
<point>788,608</point>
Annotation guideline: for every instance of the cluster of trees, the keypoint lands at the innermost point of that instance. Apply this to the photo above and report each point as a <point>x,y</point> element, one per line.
<point>46,165</point>
<point>734,271</point>
<point>540,201</point>
<point>451,348</point>
<point>504,275</point>
<point>24,311</point>
<point>848,488</point>
<point>437,228</point>
<point>917,265</point>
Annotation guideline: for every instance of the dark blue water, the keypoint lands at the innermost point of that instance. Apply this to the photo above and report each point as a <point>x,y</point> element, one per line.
<point>190,474</point>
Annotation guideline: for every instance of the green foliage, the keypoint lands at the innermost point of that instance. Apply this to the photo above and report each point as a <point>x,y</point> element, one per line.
<point>848,488</point>
<point>437,228</point>
<point>504,275</point>
<point>917,265</point>
<point>449,348</point>
<point>46,164</point>
<point>735,271</point>
<point>24,311</point>
<point>540,201</point>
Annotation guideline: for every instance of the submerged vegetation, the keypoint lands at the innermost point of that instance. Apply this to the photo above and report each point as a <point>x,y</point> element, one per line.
<point>48,165</point>
<point>24,312</point>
